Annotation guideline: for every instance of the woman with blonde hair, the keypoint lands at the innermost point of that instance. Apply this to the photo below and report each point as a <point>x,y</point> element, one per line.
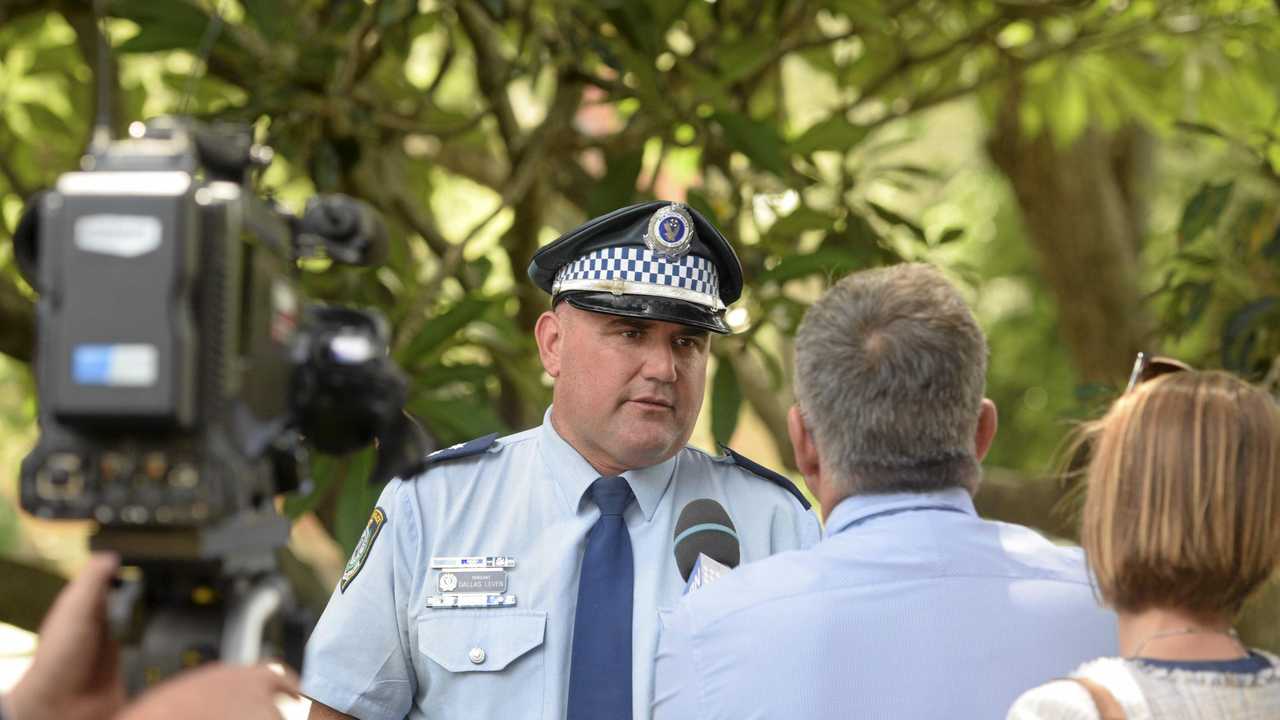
<point>1181,525</point>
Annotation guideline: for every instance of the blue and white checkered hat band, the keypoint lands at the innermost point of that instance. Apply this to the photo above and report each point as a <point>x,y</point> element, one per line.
<point>640,271</point>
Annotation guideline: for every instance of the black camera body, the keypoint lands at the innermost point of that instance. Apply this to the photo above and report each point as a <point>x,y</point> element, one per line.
<point>179,366</point>
<point>183,377</point>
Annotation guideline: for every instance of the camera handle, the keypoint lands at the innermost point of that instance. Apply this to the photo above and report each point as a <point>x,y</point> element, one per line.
<point>247,619</point>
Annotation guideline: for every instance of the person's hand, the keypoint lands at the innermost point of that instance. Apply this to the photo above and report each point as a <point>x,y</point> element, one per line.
<point>76,670</point>
<point>215,691</point>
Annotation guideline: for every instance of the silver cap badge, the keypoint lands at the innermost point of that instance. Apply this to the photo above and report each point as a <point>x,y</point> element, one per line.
<point>670,231</point>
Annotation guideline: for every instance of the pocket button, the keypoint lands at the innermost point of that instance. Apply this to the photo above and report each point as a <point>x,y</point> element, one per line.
<point>476,655</point>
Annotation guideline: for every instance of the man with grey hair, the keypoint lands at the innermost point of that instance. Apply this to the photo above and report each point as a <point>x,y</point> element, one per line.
<point>912,606</point>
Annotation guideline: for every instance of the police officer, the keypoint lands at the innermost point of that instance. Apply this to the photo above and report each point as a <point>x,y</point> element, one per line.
<point>522,576</point>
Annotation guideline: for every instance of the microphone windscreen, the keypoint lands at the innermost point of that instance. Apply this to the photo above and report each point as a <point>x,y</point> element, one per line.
<point>704,527</point>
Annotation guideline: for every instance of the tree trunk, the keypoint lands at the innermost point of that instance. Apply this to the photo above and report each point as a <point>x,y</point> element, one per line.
<point>1082,217</point>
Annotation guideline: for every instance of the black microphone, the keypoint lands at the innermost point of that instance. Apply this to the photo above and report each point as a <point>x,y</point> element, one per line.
<point>704,528</point>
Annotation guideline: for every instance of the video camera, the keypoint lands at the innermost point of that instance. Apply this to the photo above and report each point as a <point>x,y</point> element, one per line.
<point>183,376</point>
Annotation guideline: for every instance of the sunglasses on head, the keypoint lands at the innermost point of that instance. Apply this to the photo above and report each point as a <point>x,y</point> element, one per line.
<point>1146,367</point>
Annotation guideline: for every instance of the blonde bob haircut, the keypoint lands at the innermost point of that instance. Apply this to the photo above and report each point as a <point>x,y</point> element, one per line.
<point>1182,508</point>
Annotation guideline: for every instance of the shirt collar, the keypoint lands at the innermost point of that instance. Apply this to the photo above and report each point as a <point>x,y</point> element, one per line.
<point>574,474</point>
<point>855,508</point>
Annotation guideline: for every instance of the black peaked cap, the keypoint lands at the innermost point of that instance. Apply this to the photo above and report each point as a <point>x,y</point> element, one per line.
<point>627,227</point>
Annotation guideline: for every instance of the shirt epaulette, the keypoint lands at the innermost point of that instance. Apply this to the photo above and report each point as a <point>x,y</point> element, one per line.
<point>757,469</point>
<point>461,450</point>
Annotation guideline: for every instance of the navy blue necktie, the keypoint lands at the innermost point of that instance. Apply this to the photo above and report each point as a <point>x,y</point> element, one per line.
<point>600,671</point>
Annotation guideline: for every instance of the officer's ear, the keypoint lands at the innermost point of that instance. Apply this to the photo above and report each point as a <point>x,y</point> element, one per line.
<point>549,332</point>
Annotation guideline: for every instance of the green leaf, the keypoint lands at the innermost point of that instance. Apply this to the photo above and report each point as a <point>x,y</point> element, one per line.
<point>726,402</point>
<point>394,12</point>
<point>355,497</point>
<point>1090,394</point>
<point>322,478</point>
<point>441,328</point>
<point>804,218</point>
<point>771,362</point>
<point>45,121</point>
<point>270,17</point>
<point>456,419</point>
<point>172,25</point>
<point>1203,210</point>
<point>700,202</point>
<point>910,170</point>
<point>738,60</point>
<point>950,234</point>
<point>758,141</point>
<point>834,133</point>
<point>871,14</point>
<point>665,12</point>
<point>1192,299</point>
<point>58,58</point>
<point>1272,248</point>
<point>828,261</point>
<point>618,187</point>
<point>10,530</point>
<point>437,375</point>
<point>635,21</point>
<point>894,218</point>
<point>1239,334</point>
<point>1200,128</point>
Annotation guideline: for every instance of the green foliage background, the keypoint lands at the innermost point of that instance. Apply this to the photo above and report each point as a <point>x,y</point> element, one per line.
<point>822,135</point>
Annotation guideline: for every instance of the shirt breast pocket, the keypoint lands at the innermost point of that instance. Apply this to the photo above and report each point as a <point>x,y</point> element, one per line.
<point>484,664</point>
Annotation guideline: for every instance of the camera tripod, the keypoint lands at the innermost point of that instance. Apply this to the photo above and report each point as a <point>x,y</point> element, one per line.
<point>190,596</point>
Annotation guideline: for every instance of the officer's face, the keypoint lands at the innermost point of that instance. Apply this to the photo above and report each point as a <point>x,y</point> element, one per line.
<point>627,391</point>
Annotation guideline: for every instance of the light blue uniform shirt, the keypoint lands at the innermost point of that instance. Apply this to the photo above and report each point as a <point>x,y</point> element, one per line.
<point>912,607</point>
<point>380,652</point>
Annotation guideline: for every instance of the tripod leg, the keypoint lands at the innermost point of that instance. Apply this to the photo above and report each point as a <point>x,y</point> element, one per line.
<point>247,618</point>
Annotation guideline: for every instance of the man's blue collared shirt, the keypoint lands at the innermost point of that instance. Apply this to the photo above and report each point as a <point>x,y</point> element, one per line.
<point>379,651</point>
<point>912,607</point>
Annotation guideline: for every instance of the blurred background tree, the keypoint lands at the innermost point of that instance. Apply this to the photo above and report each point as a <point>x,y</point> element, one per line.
<point>1100,177</point>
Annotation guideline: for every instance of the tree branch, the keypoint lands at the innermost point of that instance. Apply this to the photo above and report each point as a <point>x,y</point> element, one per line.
<point>491,70</point>
<point>768,403</point>
<point>446,61</point>
<point>349,71</point>
<point>799,45</point>
<point>81,18</point>
<point>907,62</point>
<point>14,9</point>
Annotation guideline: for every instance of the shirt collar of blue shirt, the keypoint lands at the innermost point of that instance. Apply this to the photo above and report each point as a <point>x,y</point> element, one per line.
<point>856,509</point>
<point>574,474</point>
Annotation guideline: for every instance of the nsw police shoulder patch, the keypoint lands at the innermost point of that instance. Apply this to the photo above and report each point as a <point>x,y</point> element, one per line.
<point>365,544</point>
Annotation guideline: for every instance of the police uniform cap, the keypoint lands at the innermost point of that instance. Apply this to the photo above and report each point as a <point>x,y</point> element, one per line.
<point>655,260</point>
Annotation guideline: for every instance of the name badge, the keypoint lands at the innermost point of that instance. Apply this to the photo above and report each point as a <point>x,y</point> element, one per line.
<point>468,580</point>
<point>472,581</point>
